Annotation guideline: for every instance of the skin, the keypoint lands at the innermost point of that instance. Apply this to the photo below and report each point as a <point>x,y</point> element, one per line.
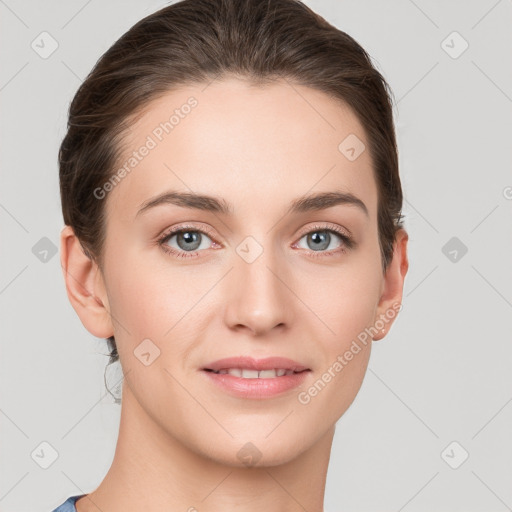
<point>258,148</point>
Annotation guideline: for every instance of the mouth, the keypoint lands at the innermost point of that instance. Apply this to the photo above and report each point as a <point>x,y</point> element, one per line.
<point>248,378</point>
<point>246,367</point>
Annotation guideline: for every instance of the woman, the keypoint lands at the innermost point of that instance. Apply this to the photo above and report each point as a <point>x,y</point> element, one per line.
<point>263,137</point>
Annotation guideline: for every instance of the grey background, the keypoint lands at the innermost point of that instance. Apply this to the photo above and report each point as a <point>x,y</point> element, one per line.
<point>443,374</point>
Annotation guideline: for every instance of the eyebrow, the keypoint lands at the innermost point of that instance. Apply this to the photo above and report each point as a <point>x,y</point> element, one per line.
<point>307,203</point>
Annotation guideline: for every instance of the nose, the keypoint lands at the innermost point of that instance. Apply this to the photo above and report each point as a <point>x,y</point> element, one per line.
<point>259,299</point>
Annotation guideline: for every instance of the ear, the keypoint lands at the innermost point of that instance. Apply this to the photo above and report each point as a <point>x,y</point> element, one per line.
<point>393,284</point>
<point>85,286</point>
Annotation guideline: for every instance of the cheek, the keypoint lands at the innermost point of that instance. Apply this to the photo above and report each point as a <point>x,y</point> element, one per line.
<point>348,311</point>
<point>158,304</point>
<point>139,305</point>
<point>345,300</point>
<point>345,354</point>
<point>144,298</point>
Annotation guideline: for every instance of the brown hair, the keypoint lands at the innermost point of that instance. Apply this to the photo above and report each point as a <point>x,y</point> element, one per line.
<point>196,41</point>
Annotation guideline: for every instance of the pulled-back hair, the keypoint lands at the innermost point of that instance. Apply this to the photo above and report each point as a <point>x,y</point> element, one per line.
<point>197,41</point>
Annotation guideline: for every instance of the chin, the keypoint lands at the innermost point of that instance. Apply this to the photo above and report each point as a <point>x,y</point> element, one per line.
<point>258,450</point>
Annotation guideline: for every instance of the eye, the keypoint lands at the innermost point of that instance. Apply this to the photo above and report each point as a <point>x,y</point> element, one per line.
<point>185,242</point>
<point>321,238</point>
<point>188,241</point>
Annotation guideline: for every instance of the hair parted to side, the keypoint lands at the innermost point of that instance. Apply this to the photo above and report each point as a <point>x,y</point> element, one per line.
<point>197,41</point>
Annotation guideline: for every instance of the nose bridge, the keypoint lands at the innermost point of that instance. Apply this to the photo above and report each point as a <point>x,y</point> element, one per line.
<point>258,298</point>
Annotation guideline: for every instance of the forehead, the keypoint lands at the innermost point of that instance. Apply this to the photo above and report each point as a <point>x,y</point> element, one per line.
<point>257,146</point>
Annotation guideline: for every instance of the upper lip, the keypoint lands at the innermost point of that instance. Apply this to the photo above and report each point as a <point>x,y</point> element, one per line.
<point>269,363</point>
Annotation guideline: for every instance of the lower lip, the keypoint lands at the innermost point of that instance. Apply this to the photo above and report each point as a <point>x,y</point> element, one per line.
<point>256,388</point>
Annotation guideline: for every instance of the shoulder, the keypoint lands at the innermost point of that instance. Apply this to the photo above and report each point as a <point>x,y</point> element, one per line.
<point>69,504</point>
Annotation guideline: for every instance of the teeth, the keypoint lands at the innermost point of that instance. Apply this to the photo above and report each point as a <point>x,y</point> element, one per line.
<point>249,374</point>
<point>267,374</point>
<point>255,374</point>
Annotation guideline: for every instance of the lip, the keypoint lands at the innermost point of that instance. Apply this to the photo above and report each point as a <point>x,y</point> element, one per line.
<point>269,363</point>
<point>256,388</point>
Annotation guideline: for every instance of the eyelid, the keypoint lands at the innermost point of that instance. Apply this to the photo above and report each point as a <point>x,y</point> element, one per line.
<point>325,226</point>
<point>184,227</point>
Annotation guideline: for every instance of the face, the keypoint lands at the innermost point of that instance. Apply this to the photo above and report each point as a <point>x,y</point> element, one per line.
<point>257,278</point>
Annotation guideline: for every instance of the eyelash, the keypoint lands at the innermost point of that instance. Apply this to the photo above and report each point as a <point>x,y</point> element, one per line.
<point>347,240</point>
